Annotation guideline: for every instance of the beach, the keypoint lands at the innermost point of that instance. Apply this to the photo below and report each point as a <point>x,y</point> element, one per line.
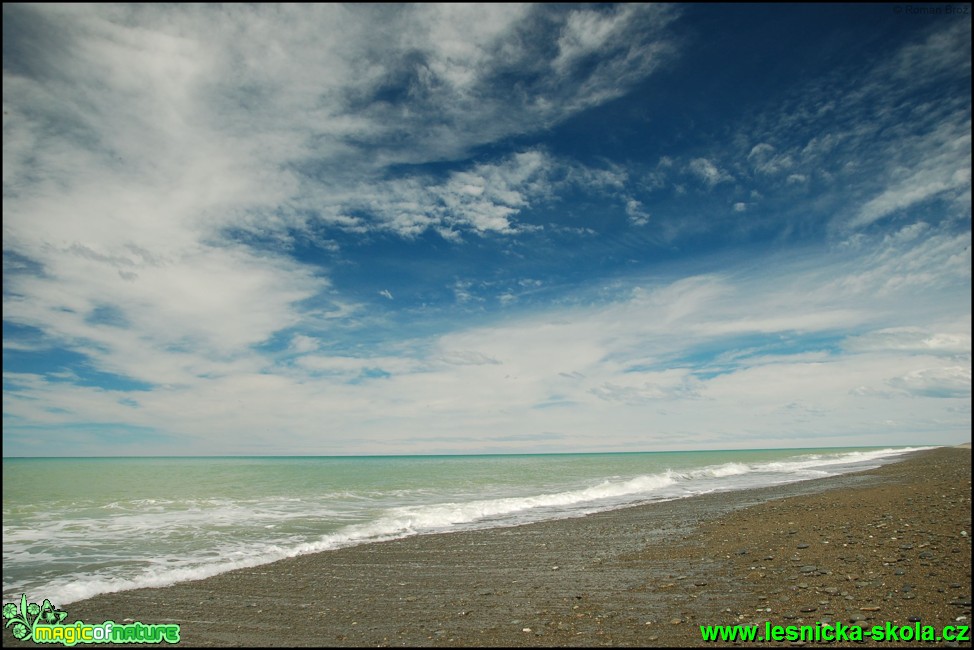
<point>889,544</point>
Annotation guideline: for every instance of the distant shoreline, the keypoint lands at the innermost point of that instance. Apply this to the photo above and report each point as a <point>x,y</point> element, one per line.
<point>487,455</point>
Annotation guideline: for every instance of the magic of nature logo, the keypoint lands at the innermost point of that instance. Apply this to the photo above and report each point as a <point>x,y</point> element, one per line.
<point>44,623</point>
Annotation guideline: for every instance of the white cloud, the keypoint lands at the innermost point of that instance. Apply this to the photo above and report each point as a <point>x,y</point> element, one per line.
<point>466,358</point>
<point>946,382</point>
<point>953,343</point>
<point>619,35</point>
<point>484,198</point>
<point>201,303</point>
<point>303,344</point>
<point>708,172</point>
<point>461,39</point>
<point>588,32</point>
<point>765,159</point>
<point>760,150</point>
<point>646,388</point>
<point>637,215</point>
<point>941,169</point>
<point>943,52</point>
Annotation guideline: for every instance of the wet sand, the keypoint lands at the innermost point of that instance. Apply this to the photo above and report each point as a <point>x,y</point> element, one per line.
<point>866,548</point>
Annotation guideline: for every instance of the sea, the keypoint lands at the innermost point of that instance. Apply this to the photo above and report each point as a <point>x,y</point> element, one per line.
<point>77,527</point>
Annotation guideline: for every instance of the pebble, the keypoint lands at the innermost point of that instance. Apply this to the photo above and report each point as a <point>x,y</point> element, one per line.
<point>802,546</point>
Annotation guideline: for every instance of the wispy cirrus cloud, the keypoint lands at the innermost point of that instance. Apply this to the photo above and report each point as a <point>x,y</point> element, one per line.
<point>708,172</point>
<point>863,144</point>
<point>484,198</point>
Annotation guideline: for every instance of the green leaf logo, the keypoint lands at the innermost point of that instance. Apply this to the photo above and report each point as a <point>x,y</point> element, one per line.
<point>23,616</point>
<point>50,615</point>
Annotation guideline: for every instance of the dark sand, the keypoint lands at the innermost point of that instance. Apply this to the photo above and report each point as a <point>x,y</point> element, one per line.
<point>877,546</point>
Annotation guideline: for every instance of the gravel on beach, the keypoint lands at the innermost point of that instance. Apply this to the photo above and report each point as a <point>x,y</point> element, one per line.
<point>890,544</point>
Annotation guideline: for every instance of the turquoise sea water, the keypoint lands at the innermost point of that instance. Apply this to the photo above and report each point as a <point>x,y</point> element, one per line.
<point>73,528</point>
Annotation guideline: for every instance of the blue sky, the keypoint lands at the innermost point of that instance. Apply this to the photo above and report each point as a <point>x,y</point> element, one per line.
<point>394,229</point>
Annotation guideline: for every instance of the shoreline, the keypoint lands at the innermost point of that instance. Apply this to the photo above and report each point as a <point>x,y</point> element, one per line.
<point>868,547</point>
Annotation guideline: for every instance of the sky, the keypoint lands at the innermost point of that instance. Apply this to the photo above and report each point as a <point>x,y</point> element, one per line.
<point>498,228</point>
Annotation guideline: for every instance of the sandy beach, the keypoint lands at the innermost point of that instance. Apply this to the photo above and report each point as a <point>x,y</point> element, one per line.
<point>891,544</point>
